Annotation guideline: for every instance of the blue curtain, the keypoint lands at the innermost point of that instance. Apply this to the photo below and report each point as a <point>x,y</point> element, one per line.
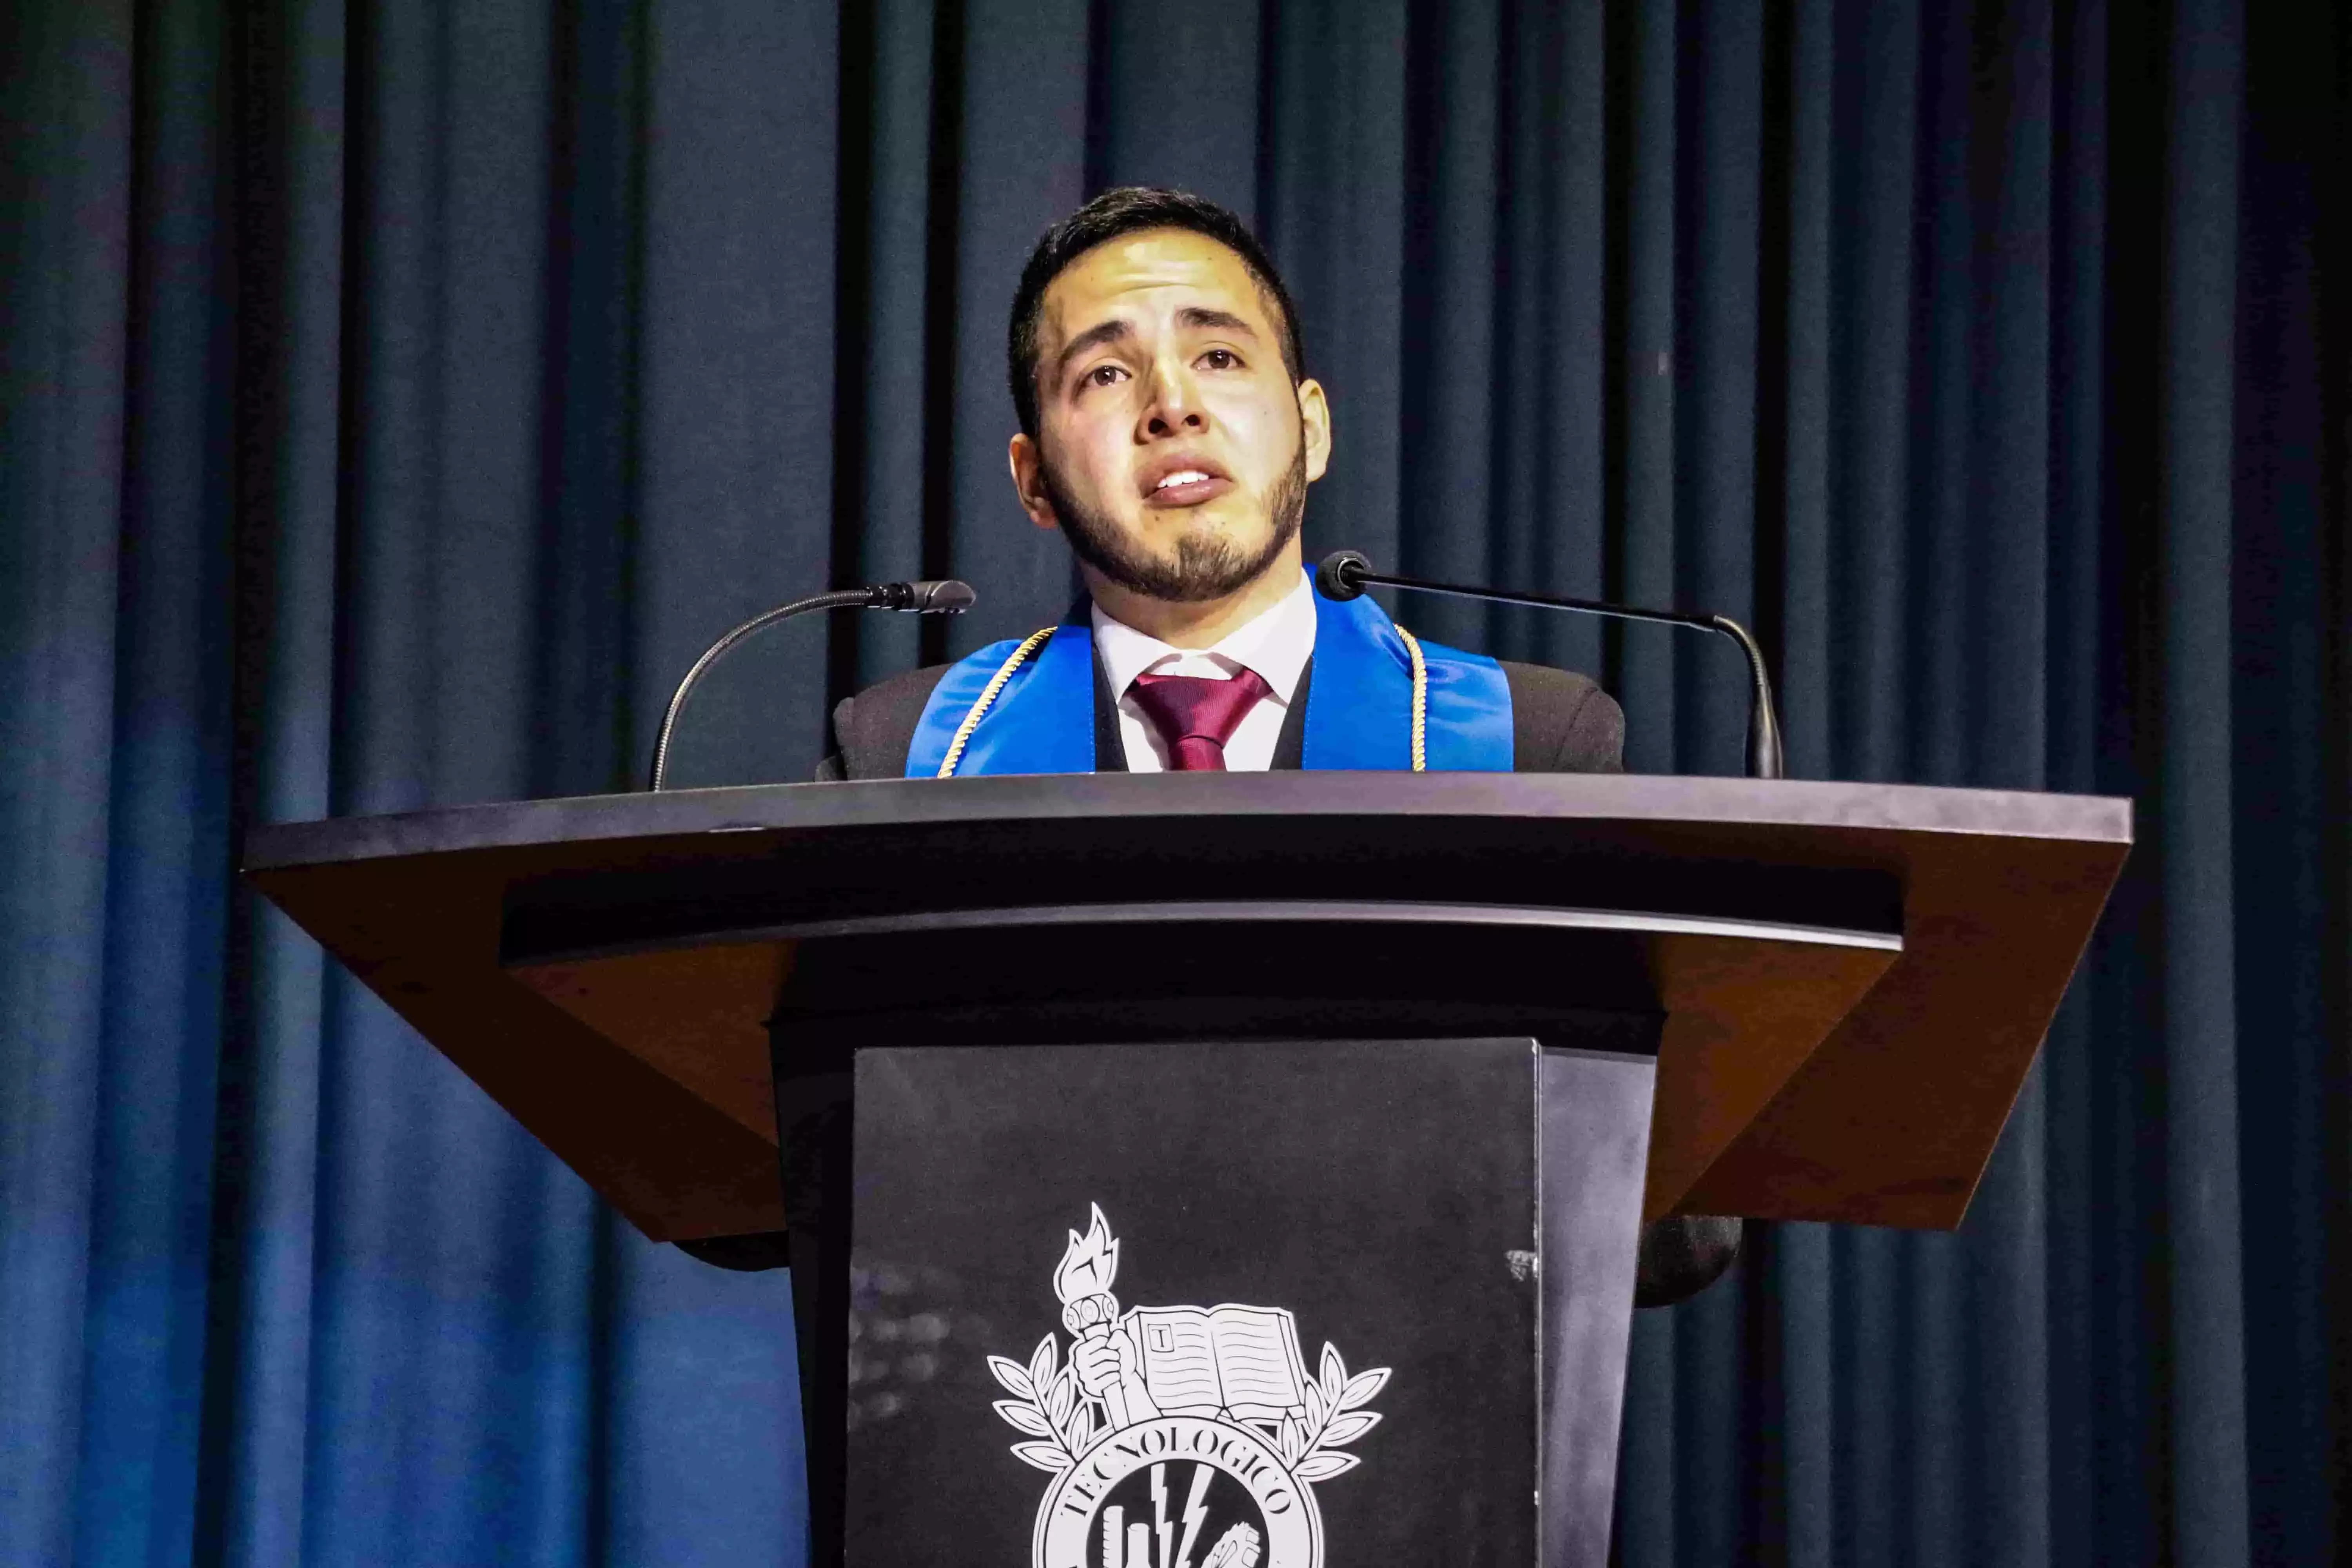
<point>398,394</point>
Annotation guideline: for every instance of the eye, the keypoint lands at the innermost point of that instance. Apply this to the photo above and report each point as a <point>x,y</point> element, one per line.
<point>1104,376</point>
<point>1222,359</point>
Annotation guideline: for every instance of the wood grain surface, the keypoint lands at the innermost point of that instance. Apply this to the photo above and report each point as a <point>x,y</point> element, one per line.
<point>605,967</point>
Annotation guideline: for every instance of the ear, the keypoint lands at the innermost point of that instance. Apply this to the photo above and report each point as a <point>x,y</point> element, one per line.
<point>1314,426</point>
<point>1028,465</point>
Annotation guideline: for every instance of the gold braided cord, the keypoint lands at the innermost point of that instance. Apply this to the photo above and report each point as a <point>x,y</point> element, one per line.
<point>1419,702</point>
<point>987,695</point>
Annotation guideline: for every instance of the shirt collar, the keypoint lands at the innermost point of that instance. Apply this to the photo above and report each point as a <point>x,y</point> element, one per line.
<point>1276,643</point>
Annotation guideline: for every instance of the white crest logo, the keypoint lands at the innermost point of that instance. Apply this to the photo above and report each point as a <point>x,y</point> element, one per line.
<point>1177,1437</point>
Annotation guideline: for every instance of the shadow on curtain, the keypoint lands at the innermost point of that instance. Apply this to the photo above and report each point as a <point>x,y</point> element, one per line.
<point>397,396</point>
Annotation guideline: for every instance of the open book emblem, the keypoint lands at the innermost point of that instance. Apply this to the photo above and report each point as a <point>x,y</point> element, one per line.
<point>1177,1437</point>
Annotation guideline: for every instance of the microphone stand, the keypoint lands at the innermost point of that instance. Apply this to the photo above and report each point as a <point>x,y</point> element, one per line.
<point>944,596</point>
<point>1344,573</point>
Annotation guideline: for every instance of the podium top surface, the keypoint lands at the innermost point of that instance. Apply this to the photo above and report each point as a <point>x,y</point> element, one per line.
<point>484,926</point>
<point>1664,803</point>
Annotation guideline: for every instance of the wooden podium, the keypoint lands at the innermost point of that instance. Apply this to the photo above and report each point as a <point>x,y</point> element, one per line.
<point>1774,999</point>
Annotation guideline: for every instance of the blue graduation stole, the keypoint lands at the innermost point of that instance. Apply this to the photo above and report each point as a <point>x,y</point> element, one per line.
<point>1359,702</point>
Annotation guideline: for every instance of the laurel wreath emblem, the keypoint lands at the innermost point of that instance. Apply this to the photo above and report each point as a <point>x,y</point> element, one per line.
<point>1044,1404</point>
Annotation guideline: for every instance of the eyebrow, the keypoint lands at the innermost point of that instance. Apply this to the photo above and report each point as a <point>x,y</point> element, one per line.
<point>1217,321</point>
<point>1198,317</point>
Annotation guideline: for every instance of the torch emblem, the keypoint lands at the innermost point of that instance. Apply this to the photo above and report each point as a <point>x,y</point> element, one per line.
<point>1177,1437</point>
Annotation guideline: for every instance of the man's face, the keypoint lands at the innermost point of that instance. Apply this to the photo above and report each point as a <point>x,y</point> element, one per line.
<point>1173,447</point>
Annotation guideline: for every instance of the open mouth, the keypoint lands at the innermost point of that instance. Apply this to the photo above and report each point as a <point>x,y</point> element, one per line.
<point>1185,483</point>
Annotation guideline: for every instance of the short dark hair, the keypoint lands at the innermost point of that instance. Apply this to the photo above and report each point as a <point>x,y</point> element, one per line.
<point>1128,209</point>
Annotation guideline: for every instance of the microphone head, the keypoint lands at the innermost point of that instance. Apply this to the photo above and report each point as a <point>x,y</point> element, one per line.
<point>1339,576</point>
<point>942,597</point>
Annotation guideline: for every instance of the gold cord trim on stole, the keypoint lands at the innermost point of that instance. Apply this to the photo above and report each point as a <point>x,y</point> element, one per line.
<point>988,694</point>
<point>1419,702</point>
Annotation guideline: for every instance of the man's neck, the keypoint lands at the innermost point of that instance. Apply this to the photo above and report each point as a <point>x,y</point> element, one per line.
<point>1202,625</point>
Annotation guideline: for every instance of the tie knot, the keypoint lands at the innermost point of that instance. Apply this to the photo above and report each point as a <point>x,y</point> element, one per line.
<point>1196,714</point>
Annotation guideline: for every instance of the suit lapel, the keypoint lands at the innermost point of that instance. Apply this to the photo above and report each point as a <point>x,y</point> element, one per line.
<point>1290,744</point>
<point>1110,744</point>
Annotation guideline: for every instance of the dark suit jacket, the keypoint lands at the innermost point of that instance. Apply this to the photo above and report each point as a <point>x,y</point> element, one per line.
<point>1561,724</point>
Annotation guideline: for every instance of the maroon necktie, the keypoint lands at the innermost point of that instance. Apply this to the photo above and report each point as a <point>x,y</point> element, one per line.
<point>1196,715</point>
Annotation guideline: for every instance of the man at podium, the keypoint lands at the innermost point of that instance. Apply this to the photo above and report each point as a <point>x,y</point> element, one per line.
<point>1169,430</point>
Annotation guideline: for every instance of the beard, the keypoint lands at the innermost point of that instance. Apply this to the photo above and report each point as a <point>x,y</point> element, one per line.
<point>1203,566</point>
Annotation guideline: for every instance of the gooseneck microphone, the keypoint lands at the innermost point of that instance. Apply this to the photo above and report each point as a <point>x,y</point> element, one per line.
<point>1681,1255</point>
<point>1346,574</point>
<point>943,596</point>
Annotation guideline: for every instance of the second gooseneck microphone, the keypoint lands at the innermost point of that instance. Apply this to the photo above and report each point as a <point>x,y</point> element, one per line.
<point>942,596</point>
<point>1346,574</point>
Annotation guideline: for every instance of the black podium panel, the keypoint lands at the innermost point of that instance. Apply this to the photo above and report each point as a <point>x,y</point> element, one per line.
<point>1322,1257</point>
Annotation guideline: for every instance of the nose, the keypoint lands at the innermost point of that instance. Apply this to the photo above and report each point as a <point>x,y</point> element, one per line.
<point>1174,405</point>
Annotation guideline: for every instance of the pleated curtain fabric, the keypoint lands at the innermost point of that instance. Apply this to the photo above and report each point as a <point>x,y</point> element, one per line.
<point>398,395</point>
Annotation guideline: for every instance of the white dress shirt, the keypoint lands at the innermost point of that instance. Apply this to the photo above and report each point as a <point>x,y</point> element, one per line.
<point>1276,643</point>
